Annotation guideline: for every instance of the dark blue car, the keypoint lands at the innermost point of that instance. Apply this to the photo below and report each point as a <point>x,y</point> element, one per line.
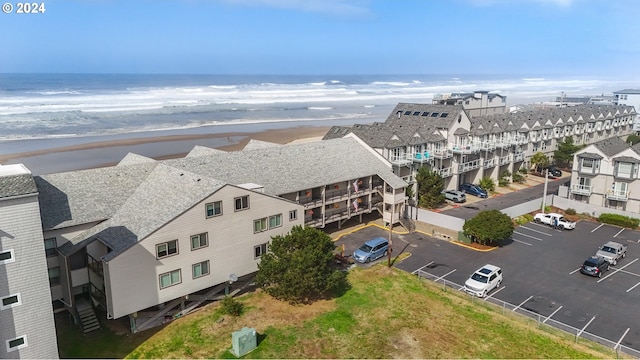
<point>474,190</point>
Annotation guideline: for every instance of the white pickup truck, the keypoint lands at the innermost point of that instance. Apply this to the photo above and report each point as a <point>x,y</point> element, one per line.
<point>542,218</point>
<point>612,252</point>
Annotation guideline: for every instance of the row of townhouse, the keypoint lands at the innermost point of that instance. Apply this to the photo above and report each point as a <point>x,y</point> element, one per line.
<point>464,148</point>
<point>143,235</point>
<point>606,174</point>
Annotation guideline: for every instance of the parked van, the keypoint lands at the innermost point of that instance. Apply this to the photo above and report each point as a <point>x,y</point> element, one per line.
<point>371,250</point>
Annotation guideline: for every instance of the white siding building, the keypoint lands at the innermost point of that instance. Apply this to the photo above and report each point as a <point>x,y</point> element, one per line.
<point>629,97</point>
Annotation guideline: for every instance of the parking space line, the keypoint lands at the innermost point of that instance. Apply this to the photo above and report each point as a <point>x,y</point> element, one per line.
<point>529,236</point>
<point>534,230</point>
<point>601,225</point>
<point>623,335</point>
<point>581,331</point>
<point>633,287</point>
<point>574,271</point>
<point>616,270</point>
<point>441,277</point>
<point>495,292</point>
<point>553,313</point>
<point>618,233</point>
<point>522,303</point>
<point>415,271</point>
<point>521,242</point>
<point>629,272</point>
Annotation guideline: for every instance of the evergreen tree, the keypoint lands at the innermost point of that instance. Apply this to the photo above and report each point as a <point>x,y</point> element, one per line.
<point>430,187</point>
<point>488,227</point>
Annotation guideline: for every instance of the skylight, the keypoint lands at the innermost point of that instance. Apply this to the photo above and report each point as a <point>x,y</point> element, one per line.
<point>426,113</point>
<point>444,114</point>
<point>435,114</point>
<point>416,113</point>
<point>407,112</point>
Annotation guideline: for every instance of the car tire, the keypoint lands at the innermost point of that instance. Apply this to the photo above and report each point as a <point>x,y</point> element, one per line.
<point>561,227</point>
<point>385,253</point>
<point>614,262</point>
<point>498,284</point>
<point>600,274</point>
<point>537,221</point>
<point>367,260</point>
<point>624,254</point>
<point>484,293</point>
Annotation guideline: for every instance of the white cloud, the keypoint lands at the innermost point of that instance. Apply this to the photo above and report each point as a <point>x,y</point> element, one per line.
<point>330,7</point>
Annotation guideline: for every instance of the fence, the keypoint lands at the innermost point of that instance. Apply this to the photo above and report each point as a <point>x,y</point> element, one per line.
<point>593,210</point>
<point>540,319</point>
<point>526,207</point>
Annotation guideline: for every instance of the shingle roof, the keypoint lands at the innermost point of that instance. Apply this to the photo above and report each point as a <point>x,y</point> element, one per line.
<point>295,167</point>
<point>588,155</point>
<point>628,159</point>
<point>258,144</point>
<point>16,185</point>
<point>611,146</point>
<point>200,150</point>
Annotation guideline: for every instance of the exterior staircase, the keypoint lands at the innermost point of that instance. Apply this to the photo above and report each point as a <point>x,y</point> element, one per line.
<point>87,317</point>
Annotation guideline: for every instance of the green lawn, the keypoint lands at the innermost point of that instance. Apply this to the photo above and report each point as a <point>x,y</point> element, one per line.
<point>387,314</point>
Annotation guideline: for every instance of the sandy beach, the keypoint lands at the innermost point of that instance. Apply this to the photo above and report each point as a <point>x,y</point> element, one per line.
<point>107,153</point>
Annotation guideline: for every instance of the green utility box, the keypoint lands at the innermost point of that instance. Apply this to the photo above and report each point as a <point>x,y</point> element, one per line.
<point>244,341</point>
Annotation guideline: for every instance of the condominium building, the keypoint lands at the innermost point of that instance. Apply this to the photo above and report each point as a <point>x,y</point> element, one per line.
<point>606,174</point>
<point>464,148</point>
<point>27,329</point>
<point>629,97</point>
<point>147,235</point>
<point>478,103</point>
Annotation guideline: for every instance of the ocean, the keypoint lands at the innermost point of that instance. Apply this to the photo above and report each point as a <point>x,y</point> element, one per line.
<point>49,110</point>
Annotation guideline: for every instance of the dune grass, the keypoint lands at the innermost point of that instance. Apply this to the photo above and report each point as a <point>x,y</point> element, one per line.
<point>387,314</point>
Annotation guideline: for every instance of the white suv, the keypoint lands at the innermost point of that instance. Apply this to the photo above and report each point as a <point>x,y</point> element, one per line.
<point>483,280</point>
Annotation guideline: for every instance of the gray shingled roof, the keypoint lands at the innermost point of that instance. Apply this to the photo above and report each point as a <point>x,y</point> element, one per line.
<point>611,146</point>
<point>258,144</point>
<point>200,150</point>
<point>132,158</point>
<point>84,196</point>
<point>294,167</point>
<point>628,159</point>
<point>16,185</point>
<point>588,155</point>
<point>165,193</point>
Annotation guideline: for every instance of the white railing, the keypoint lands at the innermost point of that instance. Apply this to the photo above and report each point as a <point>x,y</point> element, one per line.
<point>505,160</point>
<point>617,195</point>
<point>441,153</point>
<point>581,189</point>
<point>468,166</point>
<point>465,148</point>
<point>402,159</point>
<point>487,163</point>
<point>444,172</point>
<point>518,157</point>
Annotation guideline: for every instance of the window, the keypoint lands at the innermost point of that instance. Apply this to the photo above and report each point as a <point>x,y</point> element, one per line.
<point>444,114</point>
<point>408,112</point>
<point>435,114</point>
<point>200,269</point>
<point>199,241</point>
<point>50,246</point>
<point>416,113</point>
<point>624,170</point>
<point>259,225</point>
<point>17,343</point>
<point>170,279</point>
<point>167,249</point>
<point>293,215</point>
<point>242,203</point>
<point>214,209</point>
<point>426,113</point>
<point>260,250</point>
<point>54,276</point>
<point>7,257</point>
<point>10,301</point>
<point>275,221</point>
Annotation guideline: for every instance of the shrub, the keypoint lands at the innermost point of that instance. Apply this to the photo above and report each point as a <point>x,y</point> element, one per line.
<point>232,306</point>
<point>620,220</point>
<point>523,170</point>
<point>570,211</point>
<point>517,177</point>
<point>504,178</point>
<point>523,219</point>
<point>487,184</point>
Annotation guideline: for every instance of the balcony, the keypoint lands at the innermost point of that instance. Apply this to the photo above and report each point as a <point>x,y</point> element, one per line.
<point>617,195</point>
<point>401,159</point>
<point>519,140</point>
<point>444,172</point>
<point>504,160</point>
<point>468,166</point>
<point>466,149</point>
<point>581,189</point>
<point>423,157</point>
<point>489,163</point>
<point>518,157</point>
<point>441,153</point>
<point>487,145</point>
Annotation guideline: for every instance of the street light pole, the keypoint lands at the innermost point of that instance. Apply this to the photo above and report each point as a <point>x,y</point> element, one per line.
<point>544,195</point>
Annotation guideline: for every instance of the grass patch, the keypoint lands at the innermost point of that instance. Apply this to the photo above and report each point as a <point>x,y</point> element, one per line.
<point>386,314</point>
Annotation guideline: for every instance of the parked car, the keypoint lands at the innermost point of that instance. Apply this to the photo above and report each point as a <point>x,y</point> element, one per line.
<point>474,190</point>
<point>553,171</point>
<point>595,266</point>
<point>455,196</point>
<point>371,250</point>
<point>612,252</point>
<point>549,219</point>
<point>483,280</point>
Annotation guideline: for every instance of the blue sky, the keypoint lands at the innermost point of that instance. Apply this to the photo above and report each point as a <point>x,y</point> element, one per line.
<point>581,37</point>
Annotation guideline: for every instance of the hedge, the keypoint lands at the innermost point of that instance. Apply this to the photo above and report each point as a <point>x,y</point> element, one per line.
<point>620,220</point>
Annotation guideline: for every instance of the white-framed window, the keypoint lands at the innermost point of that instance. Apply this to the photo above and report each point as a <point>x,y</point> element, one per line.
<point>293,215</point>
<point>260,225</point>
<point>10,301</point>
<point>54,276</point>
<point>170,278</point>
<point>241,203</point>
<point>7,256</point>
<point>167,249</point>
<point>17,343</point>
<point>200,269</point>
<point>213,209</point>
<point>199,241</point>
<point>50,247</point>
<point>275,221</point>
<point>260,250</point>
<point>624,170</point>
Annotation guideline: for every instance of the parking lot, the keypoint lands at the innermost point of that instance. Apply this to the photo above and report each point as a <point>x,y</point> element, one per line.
<point>541,273</point>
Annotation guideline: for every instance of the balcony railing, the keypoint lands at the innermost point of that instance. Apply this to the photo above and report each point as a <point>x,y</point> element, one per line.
<point>468,166</point>
<point>504,160</point>
<point>581,189</point>
<point>441,153</point>
<point>617,195</point>
<point>401,160</point>
<point>518,157</point>
<point>444,172</point>
<point>489,163</point>
<point>422,157</point>
<point>466,149</point>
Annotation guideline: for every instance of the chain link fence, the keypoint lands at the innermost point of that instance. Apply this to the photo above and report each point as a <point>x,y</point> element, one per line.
<point>540,319</point>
